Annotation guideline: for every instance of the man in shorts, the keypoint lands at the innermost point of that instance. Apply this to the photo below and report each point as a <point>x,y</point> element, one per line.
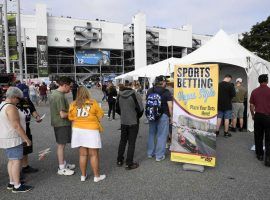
<point>238,105</point>
<point>62,127</point>
<point>226,92</point>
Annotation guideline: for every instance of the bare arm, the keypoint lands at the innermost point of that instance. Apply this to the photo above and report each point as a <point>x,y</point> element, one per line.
<point>252,110</point>
<point>13,117</point>
<point>170,106</point>
<point>36,116</point>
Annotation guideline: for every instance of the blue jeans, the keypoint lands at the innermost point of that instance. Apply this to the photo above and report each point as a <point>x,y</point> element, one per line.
<point>158,133</point>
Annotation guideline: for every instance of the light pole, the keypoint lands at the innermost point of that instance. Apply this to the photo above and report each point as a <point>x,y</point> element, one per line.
<point>6,38</point>
<point>19,38</point>
<point>25,56</point>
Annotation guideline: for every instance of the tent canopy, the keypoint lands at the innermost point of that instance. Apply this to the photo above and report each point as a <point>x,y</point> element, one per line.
<point>220,49</point>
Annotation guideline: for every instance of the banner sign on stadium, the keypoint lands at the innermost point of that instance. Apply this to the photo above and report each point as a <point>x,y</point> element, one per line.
<point>92,57</point>
<point>12,37</point>
<point>195,114</point>
<point>42,56</point>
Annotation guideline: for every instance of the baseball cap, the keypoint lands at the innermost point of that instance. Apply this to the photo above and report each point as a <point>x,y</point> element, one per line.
<point>239,80</point>
<point>128,79</point>
<point>160,78</point>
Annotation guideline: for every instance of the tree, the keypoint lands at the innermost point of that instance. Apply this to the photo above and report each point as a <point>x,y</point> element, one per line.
<point>258,39</point>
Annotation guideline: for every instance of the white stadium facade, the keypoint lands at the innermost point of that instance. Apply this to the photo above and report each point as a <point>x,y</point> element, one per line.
<point>82,48</point>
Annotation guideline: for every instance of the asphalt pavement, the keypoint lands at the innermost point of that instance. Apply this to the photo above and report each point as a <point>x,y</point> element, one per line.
<point>238,174</point>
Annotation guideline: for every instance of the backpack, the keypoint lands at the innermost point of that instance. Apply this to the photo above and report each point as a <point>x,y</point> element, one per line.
<point>153,110</point>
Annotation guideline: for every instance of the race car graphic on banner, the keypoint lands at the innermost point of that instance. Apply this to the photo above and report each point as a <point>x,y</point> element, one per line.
<point>195,114</point>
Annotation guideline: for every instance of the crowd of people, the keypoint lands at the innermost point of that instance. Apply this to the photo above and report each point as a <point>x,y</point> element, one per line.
<point>79,122</point>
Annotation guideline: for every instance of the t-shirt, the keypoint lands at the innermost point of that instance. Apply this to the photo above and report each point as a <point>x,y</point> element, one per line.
<point>58,102</point>
<point>165,97</point>
<point>260,98</point>
<point>32,90</point>
<point>43,90</point>
<point>240,95</point>
<point>27,107</point>
<point>86,117</point>
<point>226,92</point>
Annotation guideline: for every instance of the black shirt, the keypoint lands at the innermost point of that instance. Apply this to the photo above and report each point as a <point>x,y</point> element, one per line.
<point>27,107</point>
<point>111,93</point>
<point>165,97</point>
<point>226,92</point>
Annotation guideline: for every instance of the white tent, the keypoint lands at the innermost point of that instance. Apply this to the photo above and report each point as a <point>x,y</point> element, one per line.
<point>220,49</point>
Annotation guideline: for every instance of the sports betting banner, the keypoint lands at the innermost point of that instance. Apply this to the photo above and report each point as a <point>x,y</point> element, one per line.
<point>195,114</point>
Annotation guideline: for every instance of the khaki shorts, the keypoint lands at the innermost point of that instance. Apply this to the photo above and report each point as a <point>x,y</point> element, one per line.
<point>238,110</point>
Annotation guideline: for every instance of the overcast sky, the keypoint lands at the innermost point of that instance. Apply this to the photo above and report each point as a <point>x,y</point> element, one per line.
<point>205,16</point>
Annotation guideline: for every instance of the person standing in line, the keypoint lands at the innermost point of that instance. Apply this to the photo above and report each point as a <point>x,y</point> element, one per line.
<point>159,127</point>
<point>85,114</point>
<point>226,92</point>
<point>12,126</point>
<point>33,93</point>
<point>62,127</point>
<point>43,93</point>
<point>1,94</point>
<point>238,105</point>
<point>104,90</point>
<point>260,111</point>
<point>26,106</point>
<point>111,94</point>
<point>74,90</point>
<point>130,109</point>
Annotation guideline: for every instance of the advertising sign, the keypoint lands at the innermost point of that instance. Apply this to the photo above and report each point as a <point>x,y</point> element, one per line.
<point>12,38</point>
<point>92,57</point>
<point>195,114</point>
<point>42,56</point>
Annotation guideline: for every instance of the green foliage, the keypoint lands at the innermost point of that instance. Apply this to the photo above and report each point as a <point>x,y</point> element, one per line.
<point>258,39</point>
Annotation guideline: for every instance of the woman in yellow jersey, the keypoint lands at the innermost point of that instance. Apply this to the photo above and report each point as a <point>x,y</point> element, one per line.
<point>85,114</point>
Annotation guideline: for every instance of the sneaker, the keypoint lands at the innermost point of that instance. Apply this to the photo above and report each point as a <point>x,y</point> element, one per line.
<point>227,134</point>
<point>70,166</point>
<point>132,166</point>
<point>22,188</point>
<point>65,171</point>
<point>83,178</point>
<point>11,186</point>
<point>233,129</point>
<point>100,178</point>
<point>217,133</point>
<point>150,156</point>
<point>120,163</point>
<point>160,159</point>
<point>28,169</point>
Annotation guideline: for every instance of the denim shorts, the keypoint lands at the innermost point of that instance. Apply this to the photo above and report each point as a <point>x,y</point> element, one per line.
<point>227,114</point>
<point>15,153</point>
